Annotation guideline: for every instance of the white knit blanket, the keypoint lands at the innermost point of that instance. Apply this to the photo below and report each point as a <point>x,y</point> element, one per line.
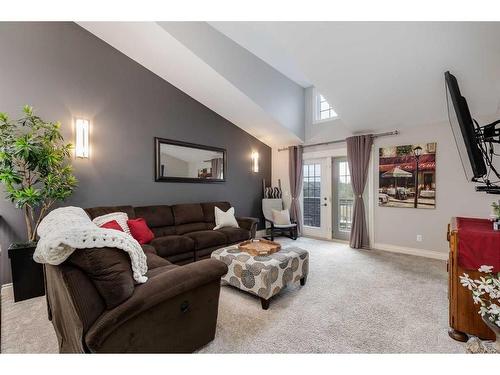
<point>68,228</point>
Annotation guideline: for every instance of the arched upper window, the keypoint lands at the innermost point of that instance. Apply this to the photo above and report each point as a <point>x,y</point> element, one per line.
<point>323,110</point>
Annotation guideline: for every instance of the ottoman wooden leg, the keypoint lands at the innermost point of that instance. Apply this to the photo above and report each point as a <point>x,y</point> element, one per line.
<point>264,303</point>
<point>303,280</point>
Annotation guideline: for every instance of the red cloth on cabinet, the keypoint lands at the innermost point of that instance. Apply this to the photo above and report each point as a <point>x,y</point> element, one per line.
<point>478,244</point>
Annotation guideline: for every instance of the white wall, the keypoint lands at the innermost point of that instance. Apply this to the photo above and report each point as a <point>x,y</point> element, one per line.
<point>454,195</point>
<point>398,227</point>
<point>314,133</point>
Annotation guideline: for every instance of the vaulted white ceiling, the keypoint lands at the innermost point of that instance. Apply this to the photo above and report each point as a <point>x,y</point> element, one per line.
<point>380,75</point>
<point>376,75</point>
<point>257,40</point>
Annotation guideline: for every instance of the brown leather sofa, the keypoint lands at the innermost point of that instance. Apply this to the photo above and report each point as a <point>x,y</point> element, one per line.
<point>184,232</point>
<point>95,306</point>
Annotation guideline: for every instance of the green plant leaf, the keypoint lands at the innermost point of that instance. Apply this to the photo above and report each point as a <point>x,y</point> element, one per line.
<point>28,110</point>
<point>35,164</point>
<point>4,118</point>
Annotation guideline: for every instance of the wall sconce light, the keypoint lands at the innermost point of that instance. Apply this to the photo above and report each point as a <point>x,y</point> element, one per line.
<point>82,138</point>
<point>255,162</point>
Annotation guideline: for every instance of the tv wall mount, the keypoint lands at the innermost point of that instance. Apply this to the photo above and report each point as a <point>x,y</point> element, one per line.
<point>486,136</point>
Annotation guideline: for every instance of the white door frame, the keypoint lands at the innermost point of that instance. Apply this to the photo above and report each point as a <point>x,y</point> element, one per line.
<point>321,154</point>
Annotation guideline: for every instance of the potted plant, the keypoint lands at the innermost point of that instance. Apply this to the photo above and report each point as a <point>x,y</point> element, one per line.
<point>36,172</point>
<point>486,294</point>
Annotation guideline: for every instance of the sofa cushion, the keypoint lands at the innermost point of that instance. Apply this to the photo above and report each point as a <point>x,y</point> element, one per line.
<point>110,271</point>
<point>209,208</point>
<point>181,259</point>
<point>205,253</point>
<point>191,227</point>
<point>172,245</point>
<point>148,249</point>
<point>164,231</point>
<point>156,216</point>
<point>155,261</point>
<point>234,234</point>
<point>206,238</point>
<point>187,213</point>
<point>100,211</point>
<point>152,259</point>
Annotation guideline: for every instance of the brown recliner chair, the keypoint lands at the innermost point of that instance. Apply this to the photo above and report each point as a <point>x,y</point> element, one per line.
<point>95,306</point>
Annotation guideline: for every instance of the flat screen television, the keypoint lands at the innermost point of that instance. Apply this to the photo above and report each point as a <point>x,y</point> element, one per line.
<point>464,131</point>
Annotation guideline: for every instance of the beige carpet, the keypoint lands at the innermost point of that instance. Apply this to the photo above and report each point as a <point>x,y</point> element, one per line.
<point>353,302</point>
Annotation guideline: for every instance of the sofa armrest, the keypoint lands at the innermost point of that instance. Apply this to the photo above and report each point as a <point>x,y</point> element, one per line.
<point>155,291</point>
<point>248,223</point>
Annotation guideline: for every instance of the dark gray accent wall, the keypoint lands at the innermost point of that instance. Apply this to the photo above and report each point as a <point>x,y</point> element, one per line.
<point>64,72</point>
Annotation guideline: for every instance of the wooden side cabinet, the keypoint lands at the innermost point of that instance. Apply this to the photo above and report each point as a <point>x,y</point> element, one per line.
<point>27,275</point>
<point>464,319</point>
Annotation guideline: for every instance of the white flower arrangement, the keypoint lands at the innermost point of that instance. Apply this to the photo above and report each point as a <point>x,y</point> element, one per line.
<point>485,292</point>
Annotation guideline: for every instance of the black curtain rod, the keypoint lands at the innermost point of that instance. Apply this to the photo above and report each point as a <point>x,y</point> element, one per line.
<point>394,132</point>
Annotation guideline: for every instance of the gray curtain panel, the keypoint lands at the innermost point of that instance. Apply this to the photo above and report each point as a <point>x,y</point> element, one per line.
<point>217,171</point>
<point>358,156</point>
<point>295,173</point>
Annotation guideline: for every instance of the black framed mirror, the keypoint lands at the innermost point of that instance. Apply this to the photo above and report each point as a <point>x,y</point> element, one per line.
<point>177,161</point>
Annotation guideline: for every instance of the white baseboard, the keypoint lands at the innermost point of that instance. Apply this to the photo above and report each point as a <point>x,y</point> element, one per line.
<point>260,233</point>
<point>411,251</point>
<point>327,239</point>
<point>9,285</point>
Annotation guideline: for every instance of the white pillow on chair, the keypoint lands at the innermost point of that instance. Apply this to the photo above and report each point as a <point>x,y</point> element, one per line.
<point>281,217</point>
<point>225,219</point>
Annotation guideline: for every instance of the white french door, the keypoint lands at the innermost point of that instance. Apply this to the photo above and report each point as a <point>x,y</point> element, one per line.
<point>317,197</point>
<point>343,199</point>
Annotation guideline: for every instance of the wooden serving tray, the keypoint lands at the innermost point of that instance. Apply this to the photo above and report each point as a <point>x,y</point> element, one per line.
<point>259,247</point>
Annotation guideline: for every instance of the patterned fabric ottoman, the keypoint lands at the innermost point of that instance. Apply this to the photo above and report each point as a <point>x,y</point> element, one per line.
<point>263,276</point>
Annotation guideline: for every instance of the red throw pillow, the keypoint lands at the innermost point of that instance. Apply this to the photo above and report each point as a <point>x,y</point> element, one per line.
<point>113,224</point>
<point>140,230</point>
